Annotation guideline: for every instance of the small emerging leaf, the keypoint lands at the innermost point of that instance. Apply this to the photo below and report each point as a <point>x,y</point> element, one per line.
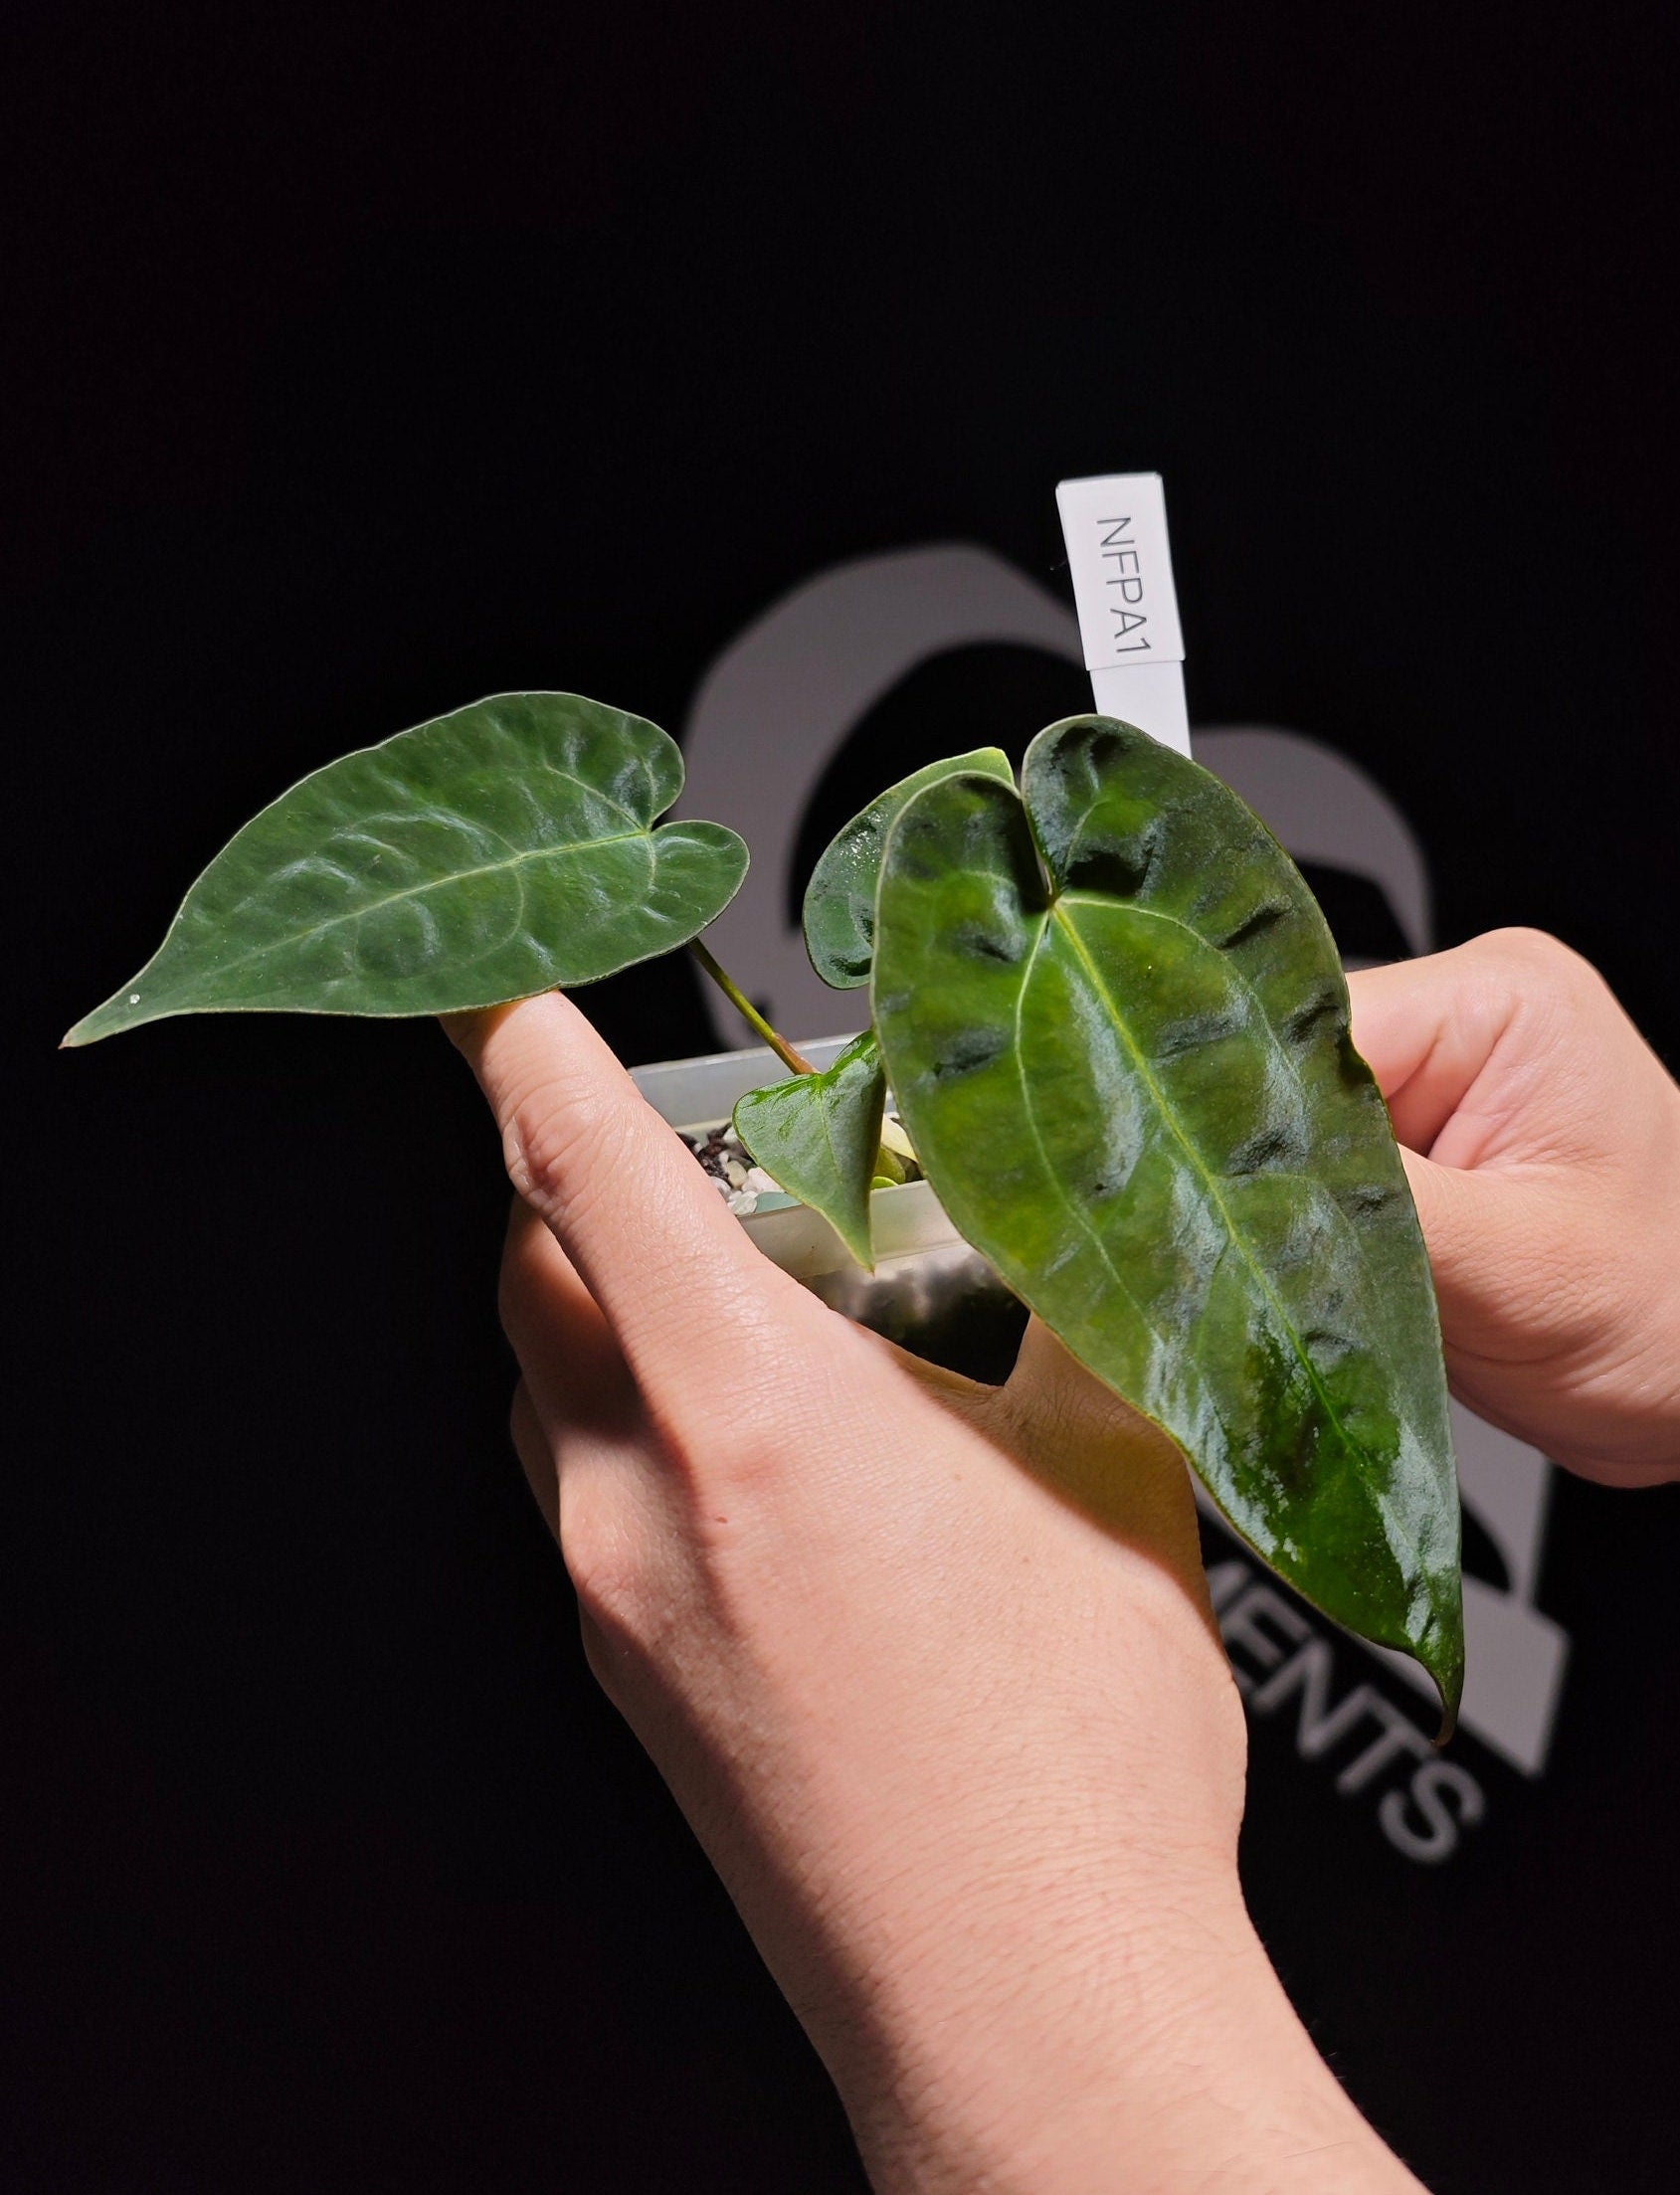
<point>818,1136</point>
<point>504,849</point>
<point>1117,1028</point>
<point>839,901</point>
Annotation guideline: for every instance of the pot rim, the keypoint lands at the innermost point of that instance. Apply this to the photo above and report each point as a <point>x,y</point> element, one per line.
<point>907,1219</point>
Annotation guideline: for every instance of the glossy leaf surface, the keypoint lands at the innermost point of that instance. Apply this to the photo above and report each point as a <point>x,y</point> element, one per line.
<point>839,901</point>
<point>817,1136</point>
<point>502,851</point>
<point>1117,1028</point>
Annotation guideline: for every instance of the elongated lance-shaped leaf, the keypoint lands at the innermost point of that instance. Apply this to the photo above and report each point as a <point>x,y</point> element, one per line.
<point>502,851</point>
<point>839,901</point>
<point>1117,1029</point>
<point>817,1136</point>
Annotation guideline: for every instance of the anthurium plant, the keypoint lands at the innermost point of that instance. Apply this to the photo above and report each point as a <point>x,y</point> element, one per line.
<point>1113,1024</point>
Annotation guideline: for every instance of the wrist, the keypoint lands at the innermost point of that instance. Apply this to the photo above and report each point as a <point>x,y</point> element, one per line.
<point>1000,2086</point>
<point>1159,2053</point>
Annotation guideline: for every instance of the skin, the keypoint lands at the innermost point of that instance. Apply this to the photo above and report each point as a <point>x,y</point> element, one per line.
<point>1542,1139</point>
<point>930,1667</point>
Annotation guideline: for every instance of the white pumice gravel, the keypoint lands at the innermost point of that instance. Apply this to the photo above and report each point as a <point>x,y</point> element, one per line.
<point>729,1167</point>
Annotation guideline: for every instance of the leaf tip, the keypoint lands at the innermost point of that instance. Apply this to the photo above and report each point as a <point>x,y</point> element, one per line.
<point>105,1021</point>
<point>138,1001</point>
<point>862,1246</point>
<point>1449,1683</point>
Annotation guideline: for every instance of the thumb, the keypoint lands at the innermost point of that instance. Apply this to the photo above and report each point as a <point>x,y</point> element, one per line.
<point>1481,1235</point>
<point>1427,1028</point>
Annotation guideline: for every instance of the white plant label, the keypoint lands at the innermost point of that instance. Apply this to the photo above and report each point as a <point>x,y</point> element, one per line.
<point>1115,527</point>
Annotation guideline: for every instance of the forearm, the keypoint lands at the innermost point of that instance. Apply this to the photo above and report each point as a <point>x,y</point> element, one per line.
<point>1165,2060</point>
<point>1033,1971</point>
<point>988,1849</point>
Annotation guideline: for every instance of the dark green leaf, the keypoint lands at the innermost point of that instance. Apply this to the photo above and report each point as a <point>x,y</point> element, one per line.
<point>1118,1035</point>
<point>817,1136</point>
<point>489,854</point>
<point>839,901</point>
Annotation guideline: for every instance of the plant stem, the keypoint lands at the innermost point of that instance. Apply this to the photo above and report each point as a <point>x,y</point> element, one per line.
<point>749,1014</point>
<point>894,1144</point>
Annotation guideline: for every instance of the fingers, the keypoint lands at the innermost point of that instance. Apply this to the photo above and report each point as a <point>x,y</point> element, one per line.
<point>1427,1028</point>
<point>1488,1244</point>
<point>572,1368</point>
<point>1449,1039</point>
<point>1496,1046</point>
<point>577,1421</point>
<point>536,1458</point>
<point>670,1269</point>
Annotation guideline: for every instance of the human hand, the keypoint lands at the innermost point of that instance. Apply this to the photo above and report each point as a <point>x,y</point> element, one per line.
<point>929,1666</point>
<point>1542,1139</point>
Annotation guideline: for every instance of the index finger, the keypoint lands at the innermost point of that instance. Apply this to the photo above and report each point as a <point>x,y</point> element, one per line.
<point>668,1263</point>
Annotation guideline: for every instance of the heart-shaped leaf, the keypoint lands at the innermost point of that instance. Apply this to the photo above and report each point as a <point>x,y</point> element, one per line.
<point>1117,1029</point>
<point>839,901</point>
<point>497,852</point>
<point>819,1135</point>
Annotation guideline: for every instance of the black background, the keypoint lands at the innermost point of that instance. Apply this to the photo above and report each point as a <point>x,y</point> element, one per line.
<point>361,371</point>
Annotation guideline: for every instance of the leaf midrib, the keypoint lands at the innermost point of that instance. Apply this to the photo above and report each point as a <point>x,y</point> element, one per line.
<point>405,812</point>
<point>1235,1233</point>
<point>1280,1050</point>
<point>433,884</point>
<point>1081,1218</point>
<point>824,1114</point>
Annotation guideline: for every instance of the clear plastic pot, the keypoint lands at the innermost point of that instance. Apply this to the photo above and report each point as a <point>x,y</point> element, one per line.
<point>929,1291</point>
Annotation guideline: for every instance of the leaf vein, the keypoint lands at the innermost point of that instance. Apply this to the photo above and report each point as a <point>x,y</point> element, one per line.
<point>515,863</point>
<point>1236,1234</point>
